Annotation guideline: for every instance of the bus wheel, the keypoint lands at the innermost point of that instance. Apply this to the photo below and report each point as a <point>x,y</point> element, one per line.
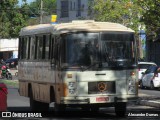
<point>33,104</point>
<point>36,105</point>
<point>120,109</point>
<point>59,108</point>
<point>85,108</point>
<point>94,109</point>
<point>43,106</point>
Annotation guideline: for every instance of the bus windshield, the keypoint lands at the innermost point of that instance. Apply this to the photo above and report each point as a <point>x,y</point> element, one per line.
<point>118,49</point>
<point>80,49</point>
<point>105,49</point>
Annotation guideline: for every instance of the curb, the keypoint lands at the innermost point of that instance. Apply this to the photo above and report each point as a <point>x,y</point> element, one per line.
<point>150,103</point>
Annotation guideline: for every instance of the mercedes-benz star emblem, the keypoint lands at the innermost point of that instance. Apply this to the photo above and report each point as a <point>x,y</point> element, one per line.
<point>102,86</point>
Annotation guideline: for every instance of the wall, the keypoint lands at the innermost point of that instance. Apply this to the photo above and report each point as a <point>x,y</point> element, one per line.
<point>9,48</point>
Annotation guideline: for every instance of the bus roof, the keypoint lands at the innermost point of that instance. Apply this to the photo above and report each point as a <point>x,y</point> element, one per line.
<point>74,26</point>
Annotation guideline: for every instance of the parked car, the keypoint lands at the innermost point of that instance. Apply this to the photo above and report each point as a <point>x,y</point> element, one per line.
<point>142,66</point>
<point>12,62</point>
<point>151,78</point>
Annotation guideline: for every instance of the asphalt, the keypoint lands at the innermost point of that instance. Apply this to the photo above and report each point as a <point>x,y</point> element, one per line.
<point>149,101</point>
<point>142,100</point>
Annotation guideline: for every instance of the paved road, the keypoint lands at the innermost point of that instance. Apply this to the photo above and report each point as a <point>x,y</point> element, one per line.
<point>149,97</point>
<point>18,104</point>
<point>14,100</point>
<point>148,92</point>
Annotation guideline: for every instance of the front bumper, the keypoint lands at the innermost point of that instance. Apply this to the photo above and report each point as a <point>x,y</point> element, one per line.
<point>98,99</point>
<point>128,99</point>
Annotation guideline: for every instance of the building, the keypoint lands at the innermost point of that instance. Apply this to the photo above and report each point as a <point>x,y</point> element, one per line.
<point>68,10</point>
<point>153,48</point>
<point>8,48</point>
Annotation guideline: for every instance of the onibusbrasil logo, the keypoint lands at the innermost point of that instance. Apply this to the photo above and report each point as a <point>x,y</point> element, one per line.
<point>14,114</point>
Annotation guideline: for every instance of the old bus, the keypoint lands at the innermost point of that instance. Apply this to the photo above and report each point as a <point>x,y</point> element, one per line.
<point>86,64</point>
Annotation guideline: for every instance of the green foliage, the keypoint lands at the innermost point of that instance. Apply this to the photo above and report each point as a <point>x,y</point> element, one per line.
<point>119,11</point>
<point>12,19</point>
<point>151,15</point>
<point>48,8</point>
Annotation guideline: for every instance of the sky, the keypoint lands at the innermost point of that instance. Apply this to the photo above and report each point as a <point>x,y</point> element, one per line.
<point>28,1</point>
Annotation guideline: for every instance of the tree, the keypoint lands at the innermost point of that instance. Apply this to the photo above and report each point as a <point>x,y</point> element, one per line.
<point>151,15</point>
<point>49,8</point>
<point>125,12</point>
<point>12,19</point>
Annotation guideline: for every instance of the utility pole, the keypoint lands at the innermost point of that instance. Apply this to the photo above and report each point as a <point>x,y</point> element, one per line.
<point>41,12</point>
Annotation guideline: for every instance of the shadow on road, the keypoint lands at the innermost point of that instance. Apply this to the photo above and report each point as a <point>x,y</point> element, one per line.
<point>69,114</point>
<point>76,114</point>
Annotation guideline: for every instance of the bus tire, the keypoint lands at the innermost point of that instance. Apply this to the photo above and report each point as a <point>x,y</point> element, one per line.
<point>120,109</point>
<point>52,95</point>
<point>59,108</point>
<point>85,108</point>
<point>94,109</point>
<point>36,105</point>
<point>43,106</point>
<point>33,105</point>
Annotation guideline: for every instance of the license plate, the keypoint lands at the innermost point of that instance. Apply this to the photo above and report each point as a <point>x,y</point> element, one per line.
<point>102,99</point>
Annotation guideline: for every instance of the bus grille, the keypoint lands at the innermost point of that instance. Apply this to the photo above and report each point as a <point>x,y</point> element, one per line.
<point>107,87</point>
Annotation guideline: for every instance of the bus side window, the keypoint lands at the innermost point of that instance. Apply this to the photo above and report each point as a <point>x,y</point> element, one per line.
<point>50,46</point>
<point>57,57</point>
<point>28,47</point>
<point>46,40</point>
<point>20,48</point>
<point>35,55</point>
<point>25,43</point>
<point>55,51</point>
<point>32,47</point>
<point>52,50</point>
<point>39,47</point>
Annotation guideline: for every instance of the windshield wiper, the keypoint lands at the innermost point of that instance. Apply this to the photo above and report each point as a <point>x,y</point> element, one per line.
<point>99,63</point>
<point>73,66</point>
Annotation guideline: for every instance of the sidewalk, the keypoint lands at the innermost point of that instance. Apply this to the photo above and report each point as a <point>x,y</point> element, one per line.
<point>149,101</point>
<point>13,71</point>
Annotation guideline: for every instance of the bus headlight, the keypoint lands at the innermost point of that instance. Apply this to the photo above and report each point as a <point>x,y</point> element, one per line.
<point>131,89</point>
<point>131,86</point>
<point>72,87</point>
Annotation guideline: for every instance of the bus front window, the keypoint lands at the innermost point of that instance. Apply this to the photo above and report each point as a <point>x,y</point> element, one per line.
<point>80,49</point>
<point>118,49</point>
